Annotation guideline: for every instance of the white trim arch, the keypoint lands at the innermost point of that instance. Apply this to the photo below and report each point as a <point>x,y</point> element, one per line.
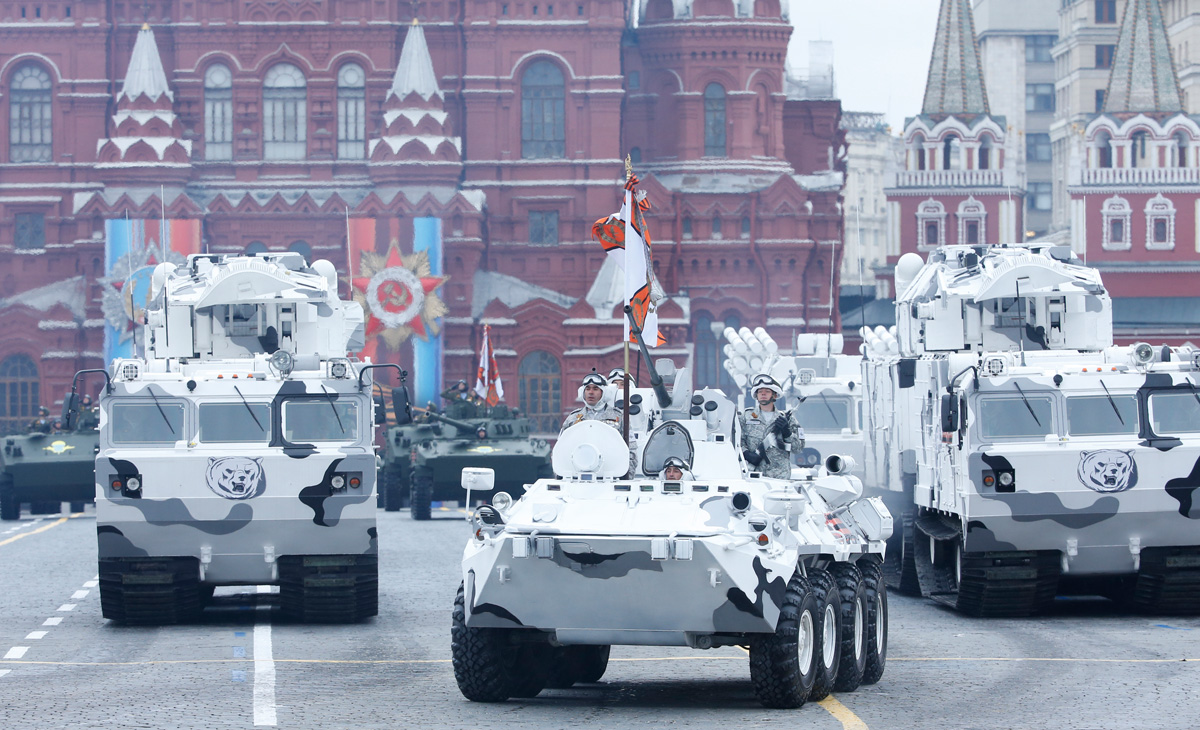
<point>17,60</point>
<point>1117,217</point>
<point>971,212</point>
<point>930,212</point>
<point>512,72</point>
<point>1160,210</point>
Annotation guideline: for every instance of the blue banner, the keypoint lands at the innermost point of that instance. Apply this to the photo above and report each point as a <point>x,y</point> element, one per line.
<point>427,354</point>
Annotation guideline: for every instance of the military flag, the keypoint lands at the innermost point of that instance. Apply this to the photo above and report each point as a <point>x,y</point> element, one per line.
<point>487,381</point>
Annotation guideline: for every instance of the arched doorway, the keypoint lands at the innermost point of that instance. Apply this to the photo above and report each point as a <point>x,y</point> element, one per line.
<point>19,393</point>
<point>540,388</point>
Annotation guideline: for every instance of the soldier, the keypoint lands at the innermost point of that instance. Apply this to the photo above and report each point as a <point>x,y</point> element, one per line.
<point>460,405</point>
<point>674,468</point>
<point>595,408</point>
<point>89,419</point>
<point>768,434</point>
<point>43,423</point>
<point>614,379</point>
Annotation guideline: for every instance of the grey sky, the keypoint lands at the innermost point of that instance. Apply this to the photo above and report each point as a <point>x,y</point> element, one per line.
<point>880,50</point>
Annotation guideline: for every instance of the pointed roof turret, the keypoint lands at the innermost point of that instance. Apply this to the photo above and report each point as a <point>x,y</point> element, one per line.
<point>414,73</point>
<point>145,75</point>
<point>1143,75</point>
<point>955,84</point>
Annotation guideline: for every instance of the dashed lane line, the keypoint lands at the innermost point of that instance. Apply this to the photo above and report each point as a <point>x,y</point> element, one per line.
<point>67,607</point>
<point>35,635</point>
<point>16,652</point>
<point>43,528</point>
<point>79,594</point>
<point>264,667</point>
<point>52,621</point>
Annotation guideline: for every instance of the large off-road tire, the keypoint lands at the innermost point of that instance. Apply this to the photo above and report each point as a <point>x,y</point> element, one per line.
<point>877,620</point>
<point>389,486</point>
<point>10,508</point>
<point>853,595</point>
<point>783,664</point>
<point>829,632</point>
<point>328,588</point>
<point>535,664</point>
<point>422,498</point>
<point>575,664</point>
<point>150,591</point>
<point>484,661</point>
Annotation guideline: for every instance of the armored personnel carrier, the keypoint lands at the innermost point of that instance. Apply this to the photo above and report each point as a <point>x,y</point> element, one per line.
<point>1028,455</point>
<point>605,554</point>
<point>46,469</point>
<point>239,450</point>
<point>426,459</point>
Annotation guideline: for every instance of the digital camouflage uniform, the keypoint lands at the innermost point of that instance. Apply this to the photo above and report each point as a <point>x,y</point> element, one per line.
<point>599,412</point>
<point>756,425</point>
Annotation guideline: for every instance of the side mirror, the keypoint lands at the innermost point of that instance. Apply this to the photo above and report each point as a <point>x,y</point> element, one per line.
<point>401,407</point>
<point>380,410</point>
<point>478,479</point>
<point>949,413</point>
<point>70,406</point>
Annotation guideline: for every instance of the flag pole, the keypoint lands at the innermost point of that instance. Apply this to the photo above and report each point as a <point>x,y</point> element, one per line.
<point>625,335</point>
<point>349,257</point>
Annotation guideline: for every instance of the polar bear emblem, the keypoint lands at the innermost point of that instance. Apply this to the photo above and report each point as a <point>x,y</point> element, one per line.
<point>1107,470</point>
<point>236,477</point>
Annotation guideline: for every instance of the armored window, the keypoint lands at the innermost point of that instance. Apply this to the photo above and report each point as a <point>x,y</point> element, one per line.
<point>235,423</point>
<point>1037,147</point>
<point>285,118</point>
<point>351,112</point>
<point>1174,413</point>
<point>714,121</point>
<point>1031,417</point>
<point>19,395</point>
<point>543,227</point>
<point>29,231</point>
<point>146,421</point>
<point>821,412</point>
<point>540,390</point>
<point>1096,415</point>
<point>29,115</point>
<point>218,113</point>
<point>308,420</point>
<point>543,112</point>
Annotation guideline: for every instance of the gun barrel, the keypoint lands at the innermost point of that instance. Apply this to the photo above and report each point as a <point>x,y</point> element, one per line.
<point>656,381</point>
<point>462,425</point>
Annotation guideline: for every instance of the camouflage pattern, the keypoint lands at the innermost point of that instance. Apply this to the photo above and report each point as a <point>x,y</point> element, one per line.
<point>602,412</point>
<point>756,424</point>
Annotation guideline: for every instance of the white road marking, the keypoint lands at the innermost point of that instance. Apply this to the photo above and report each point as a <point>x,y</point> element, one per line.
<point>36,634</point>
<point>79,594</point>
<point>4,672</point>
<point>91,584</point>
<point>67,607</point>
<point>16,652</point>
<point>52,621</point>
<point>264,676</point>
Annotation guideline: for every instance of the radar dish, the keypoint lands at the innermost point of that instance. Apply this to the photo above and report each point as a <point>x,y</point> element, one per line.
<point>591,447</point>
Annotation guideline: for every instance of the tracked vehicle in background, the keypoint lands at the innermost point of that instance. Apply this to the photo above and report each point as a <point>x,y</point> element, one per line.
<point>606,554</point>
<point>46,469</point>
<point>239,449</point>
<point>1029,456</point>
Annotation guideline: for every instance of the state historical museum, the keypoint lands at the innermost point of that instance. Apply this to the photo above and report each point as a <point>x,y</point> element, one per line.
<point>476,149</point>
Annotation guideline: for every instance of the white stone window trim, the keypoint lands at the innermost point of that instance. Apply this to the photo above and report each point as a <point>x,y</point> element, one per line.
<point>1116,208</point>
<point>1160,208</point>
<point>931,210</point>
<point>971,210</point>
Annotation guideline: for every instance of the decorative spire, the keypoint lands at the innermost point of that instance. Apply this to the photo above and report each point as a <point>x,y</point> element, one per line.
<point>145,75</point>
<point>1143,74</point>
<point>955,84</point>
<point>414,74</point>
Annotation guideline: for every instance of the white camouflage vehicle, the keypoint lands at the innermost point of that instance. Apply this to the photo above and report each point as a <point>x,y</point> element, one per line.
<point>595,557</point>
<point>1029,456</point>
<point>240,449</point>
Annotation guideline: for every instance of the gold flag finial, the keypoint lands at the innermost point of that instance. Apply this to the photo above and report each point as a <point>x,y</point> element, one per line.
<point>145,26</point>
<point>628,168</point>
<point>416,22</point>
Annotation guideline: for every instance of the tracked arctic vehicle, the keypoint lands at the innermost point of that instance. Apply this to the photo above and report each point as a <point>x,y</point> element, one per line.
<point>1028,455</point>
<point>239,450</point>
<point>605,554</point>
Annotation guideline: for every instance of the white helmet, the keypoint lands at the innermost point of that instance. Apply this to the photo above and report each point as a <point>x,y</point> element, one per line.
<point>594,378</point>
<point>764,380</point>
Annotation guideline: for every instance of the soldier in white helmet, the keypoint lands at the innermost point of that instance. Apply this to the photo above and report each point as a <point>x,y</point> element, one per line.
<point>614,378</point>
<point>596,406</point>
<point>769,436</point>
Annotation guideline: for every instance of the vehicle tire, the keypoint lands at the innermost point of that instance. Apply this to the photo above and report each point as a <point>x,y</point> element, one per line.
<point>77,506</point>
<point>390,487</point>
<point>422,497</point>
<point>829,632</point>
<point>575,664</point>
<point>10,508</point>
<point>877,620</point>
<point>484,661</point>
<point>909,584</point>
<point>783,665</point>
<point>535,665</point>
<point>853,660</point>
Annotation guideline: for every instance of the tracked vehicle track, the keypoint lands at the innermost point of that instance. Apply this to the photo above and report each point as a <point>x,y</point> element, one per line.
<point>992,584</point>
<point>1168,581</point>
<point>329,588</point>
<point>151,591</point>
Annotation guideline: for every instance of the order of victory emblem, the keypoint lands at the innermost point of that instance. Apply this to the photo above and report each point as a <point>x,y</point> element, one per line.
<point>399,294</point>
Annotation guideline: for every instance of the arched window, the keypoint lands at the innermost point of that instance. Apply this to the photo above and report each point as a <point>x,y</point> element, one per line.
<point>985,153</point>
<point>543,123</point>
<point>19,396</point>
<point>1137,150</point>
<point>952,153</point>
<point>255,248</point>
<point>29,118</point>
<point>352,112</point>
<point>285,119</point>
<point>540,385</point>
<point>746,226</point>
<point>716,227</point>
<point>714,121</point>
<point>302,248</point>
<point>1181,149</point>
<point>918,145</point>
<point>635,155</point>
<point>687,226</point>
<point>218,113</point>
<point>1104,156</point>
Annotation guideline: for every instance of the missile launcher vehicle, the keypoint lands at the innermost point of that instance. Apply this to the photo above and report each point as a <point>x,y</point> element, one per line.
<point>606,553</point>
<point>239,449</point>
<point>1029,456</point>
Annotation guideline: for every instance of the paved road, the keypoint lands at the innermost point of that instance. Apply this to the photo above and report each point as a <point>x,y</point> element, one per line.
<point>1086,666</point>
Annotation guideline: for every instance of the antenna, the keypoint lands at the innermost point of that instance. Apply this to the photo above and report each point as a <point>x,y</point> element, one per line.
<point>1021,331</point>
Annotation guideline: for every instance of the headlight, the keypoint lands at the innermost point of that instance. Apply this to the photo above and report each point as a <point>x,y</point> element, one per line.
<point>338,481</point>
<point>133,484</point>
<point>502,501</point>
<point>338,369</point>
<point>1005,478</point>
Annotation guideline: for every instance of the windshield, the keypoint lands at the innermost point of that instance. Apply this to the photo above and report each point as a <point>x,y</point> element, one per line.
<point>235,423</point>
<point>320,419</point>
<point>1005,417</point>
<point>1095,415</point>
<point>1177,412</point>
<point>826,413</point>
<point>669,439</point>
<point>143,422</point>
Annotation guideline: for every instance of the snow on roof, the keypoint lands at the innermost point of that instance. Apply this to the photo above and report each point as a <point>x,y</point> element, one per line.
<point>431,142</point>
<point>69,292</point>
<point>415,73</point>
<point>145,74</point>
<point>141,116</point>
<point>414,116</point>
<point>158,144</point>
<point>607,290</point>
<point>512,292</point>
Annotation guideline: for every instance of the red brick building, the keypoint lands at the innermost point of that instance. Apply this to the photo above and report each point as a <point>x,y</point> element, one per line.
<point>271,122</point>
